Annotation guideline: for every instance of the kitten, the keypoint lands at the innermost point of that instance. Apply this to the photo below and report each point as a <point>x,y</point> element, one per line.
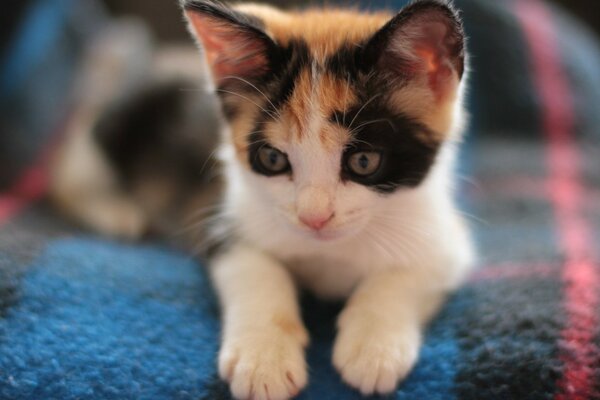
<point>338,157</point>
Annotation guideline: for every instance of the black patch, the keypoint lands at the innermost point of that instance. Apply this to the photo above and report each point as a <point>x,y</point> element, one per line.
<point>169,128</point>
<point>289,63</point>
<point>216,389</point>
<point>347,62</point>
<point>406,158</point>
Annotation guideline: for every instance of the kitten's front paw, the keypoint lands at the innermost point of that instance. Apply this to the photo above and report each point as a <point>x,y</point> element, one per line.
<point>374,357</point>
<point>267,364</point>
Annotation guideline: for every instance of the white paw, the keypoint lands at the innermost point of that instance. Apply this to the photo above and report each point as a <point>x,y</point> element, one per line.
<point>267,364</point>
<point>375,357</point>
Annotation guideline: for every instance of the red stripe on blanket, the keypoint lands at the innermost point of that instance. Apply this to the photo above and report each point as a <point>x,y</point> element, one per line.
<point>32,184</point>
<point>580,276</point>
<point>30,187</point>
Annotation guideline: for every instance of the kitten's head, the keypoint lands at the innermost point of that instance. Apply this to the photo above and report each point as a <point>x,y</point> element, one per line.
<point>333,112</point>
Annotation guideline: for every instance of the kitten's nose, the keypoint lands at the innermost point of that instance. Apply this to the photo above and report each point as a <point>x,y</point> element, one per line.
<point>316,222</point>
<point>314,206</point>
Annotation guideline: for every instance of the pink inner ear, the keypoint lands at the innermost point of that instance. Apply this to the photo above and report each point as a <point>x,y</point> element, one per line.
<point>436,64</point>
<point>432,43</point>
<point>230,50</point>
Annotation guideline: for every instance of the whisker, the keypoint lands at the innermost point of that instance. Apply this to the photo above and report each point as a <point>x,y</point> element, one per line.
<point>374,238</point>
<point>470,180</point>
<point>255,88</point>
<point>346,99</point>
<point>353,131</point>
<point>473,217</point>
<point>363,108</point>
<point>269,113</point>
<point>403,243</point>
<point>209,159</point>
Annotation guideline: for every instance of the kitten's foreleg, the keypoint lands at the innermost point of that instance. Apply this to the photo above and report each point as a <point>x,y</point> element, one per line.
<point>262,350</point>
<point>379,331</point>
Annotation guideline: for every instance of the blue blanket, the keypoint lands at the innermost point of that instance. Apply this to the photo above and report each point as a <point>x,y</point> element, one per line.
<point>141,322</point>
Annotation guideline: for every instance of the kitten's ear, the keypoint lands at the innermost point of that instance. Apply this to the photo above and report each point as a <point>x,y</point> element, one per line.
<point>426,37</point>
<point>234,43</point>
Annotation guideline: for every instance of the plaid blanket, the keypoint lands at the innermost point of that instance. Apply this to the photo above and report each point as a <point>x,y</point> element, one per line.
<point>88,318</point>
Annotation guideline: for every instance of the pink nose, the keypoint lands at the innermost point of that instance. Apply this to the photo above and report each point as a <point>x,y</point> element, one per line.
<point>316,222</point>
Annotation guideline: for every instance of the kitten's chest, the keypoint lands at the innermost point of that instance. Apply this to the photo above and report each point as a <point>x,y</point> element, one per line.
<point>328,278</point>
<point>329,270</point>
<point>329,274</point>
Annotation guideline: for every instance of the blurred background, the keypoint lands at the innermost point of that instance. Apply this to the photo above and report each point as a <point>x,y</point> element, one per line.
<point>164,16</point>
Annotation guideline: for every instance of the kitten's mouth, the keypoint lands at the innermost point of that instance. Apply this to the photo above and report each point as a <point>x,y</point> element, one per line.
<point>326,234</point>
<point>329,234</point>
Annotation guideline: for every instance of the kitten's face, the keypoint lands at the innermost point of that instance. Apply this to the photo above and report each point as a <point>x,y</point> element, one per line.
<point>333,113</point>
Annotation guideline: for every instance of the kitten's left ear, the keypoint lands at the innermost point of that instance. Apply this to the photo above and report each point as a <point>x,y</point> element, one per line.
<point>234,43</point>
<point>426,37</point>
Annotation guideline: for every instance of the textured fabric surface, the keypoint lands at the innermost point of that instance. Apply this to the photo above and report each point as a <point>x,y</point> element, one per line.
<point>87,318</point>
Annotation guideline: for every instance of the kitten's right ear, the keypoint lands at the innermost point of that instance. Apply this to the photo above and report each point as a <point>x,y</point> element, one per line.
<point>425,38</point>
<point>234,43</point>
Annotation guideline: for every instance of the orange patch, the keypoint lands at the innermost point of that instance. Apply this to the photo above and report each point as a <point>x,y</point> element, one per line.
<point>301,104</point>
<point>325,30</point>
<point>291,327</point>
<point>335,94</point>
<point>242,126</point>
<point>323,98</point>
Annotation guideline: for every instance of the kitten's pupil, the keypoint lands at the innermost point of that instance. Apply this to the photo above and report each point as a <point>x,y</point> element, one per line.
<point>364,162</point>
<point>273,157</point>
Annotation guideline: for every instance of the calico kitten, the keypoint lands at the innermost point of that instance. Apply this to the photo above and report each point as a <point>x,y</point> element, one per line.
<point>339,166</point>
<point>338,156</point>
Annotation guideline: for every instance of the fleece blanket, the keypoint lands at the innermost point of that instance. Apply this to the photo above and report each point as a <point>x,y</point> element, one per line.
<point>83,317</point>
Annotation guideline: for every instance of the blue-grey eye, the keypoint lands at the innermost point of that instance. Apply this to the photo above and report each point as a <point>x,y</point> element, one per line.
<point>364,163</point>
<point>273,160</point>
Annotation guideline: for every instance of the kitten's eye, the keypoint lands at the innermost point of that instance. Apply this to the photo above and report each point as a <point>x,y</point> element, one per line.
<point>364,163</point>
<point>272,160</point>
